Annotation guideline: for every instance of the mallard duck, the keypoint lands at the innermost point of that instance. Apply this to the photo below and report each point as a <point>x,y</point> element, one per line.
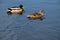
<point>36,15</point>
<point>15,9</point>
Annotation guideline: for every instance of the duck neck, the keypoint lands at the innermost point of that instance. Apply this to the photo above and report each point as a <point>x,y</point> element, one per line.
<point>41,13</point>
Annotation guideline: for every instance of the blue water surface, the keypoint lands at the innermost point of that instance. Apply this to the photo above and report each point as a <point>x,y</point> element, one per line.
<point>18,27</point>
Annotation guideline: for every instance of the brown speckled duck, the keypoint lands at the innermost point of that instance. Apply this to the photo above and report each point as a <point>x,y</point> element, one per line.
<point>36,15</point>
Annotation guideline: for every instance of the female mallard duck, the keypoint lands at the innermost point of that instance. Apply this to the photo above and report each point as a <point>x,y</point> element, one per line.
<point>36,15</point>
<point>15,9</point>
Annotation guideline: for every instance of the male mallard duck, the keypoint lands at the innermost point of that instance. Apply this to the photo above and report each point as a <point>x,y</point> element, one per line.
<point>16,9</point>
<point>36,15</point>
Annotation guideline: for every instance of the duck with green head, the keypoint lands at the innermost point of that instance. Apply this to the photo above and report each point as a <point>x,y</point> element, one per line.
<point>15,9</point>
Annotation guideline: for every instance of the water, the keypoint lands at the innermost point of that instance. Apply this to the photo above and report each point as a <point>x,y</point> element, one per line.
<point>18,27</point>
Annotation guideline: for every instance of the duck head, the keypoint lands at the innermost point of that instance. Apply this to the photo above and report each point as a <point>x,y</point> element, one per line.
<point>20,6</point>
<point>41,12</point>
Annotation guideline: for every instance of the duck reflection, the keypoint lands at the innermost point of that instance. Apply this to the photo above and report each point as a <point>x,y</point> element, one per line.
<point>36,18</point>
<point>15,13</point>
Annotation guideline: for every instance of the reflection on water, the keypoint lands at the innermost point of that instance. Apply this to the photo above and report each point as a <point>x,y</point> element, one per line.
<point>14,13</point>
<point>36,19</point>
<point>19,27</point>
